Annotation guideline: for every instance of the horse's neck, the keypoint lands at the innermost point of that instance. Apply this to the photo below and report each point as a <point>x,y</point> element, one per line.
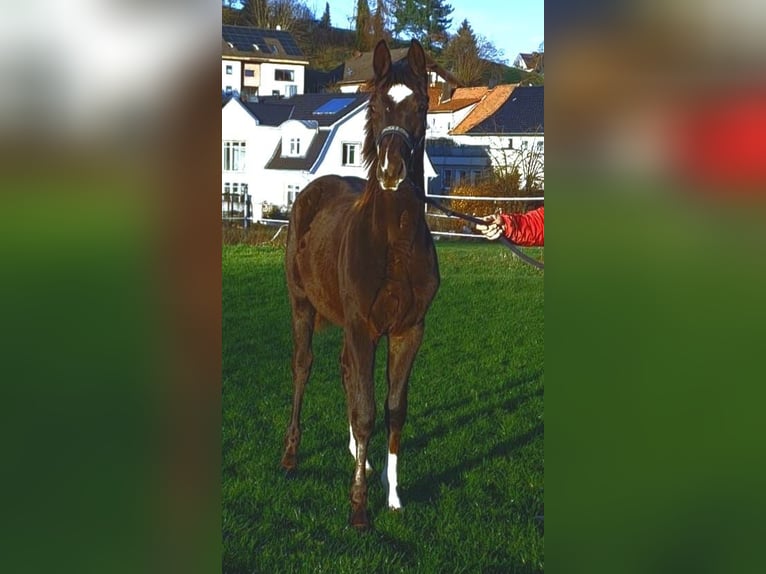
<point>400,213</point>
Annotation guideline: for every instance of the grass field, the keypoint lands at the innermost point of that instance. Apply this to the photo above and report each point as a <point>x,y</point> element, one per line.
<point>471,462</point>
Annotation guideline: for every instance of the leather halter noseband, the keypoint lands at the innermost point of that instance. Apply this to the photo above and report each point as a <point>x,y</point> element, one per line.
<point>402,133</point>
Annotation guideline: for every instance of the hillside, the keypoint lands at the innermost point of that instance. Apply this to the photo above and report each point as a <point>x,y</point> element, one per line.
<point>327,49</point>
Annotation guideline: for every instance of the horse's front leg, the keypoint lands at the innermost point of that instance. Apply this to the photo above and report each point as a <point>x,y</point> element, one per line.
<point>402,349</point>
<point>357,363</point>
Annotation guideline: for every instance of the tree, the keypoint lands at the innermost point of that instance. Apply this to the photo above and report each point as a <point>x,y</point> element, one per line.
<point>255,13</point>
<point>380,21</point>
<point>325,21</point>
<point>461,56</point>
<point>364,31</point>
<point>425,20</point>
<point>273,13</point>
<point>469,56</point>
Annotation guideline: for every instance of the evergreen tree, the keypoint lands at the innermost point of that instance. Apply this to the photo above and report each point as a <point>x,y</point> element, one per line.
<point>461,56</point>
<point>325,21</point>
<point>426,20</point>
<point>380,21</point>
<point>364,32</point>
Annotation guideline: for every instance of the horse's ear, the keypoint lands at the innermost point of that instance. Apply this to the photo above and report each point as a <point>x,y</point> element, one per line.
<point>416,56</point>
<point>381,61</point>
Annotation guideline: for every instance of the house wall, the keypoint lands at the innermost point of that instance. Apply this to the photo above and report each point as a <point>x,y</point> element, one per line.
<point>231,80</point>
<point>351,131</point>
<point>239,126</point>
<point>439,124</point>
<point>269,84</point>
<point>293,129</point>
<point>507,151</point>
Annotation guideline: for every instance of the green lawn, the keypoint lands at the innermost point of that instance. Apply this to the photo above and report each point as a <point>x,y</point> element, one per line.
<point>471,461</point>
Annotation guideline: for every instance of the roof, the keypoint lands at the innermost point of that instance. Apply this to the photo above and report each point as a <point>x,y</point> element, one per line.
<point>299,163</point>
<point>358,69</point>
<point>269,114</point>
<point>273,111</point>
<point>458,98</point>
<point>493,99</point>
<point>259,43</point>
<point>523,112</point>
<point>476,92</point>
<point>532,61</point>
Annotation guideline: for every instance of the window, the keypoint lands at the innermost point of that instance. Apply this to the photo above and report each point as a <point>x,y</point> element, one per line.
<point>510,143</point>
<point>228,90</point>
<point>351,154</point>
<point>539,147</point>
<point>524,145</point>
<point>284,75</point>
<point>292,192</point>
<point>447,178</point>
<point>295,146</point>
<point>461,176</point>
<point>249,73</point>
<point>291,90</point>
<point>234,156</point>
<point>228,70</point>
<point>475,176</point>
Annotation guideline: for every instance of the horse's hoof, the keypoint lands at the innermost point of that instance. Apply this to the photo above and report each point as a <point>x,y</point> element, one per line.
<point>360,520</point>
<point>289,463</point>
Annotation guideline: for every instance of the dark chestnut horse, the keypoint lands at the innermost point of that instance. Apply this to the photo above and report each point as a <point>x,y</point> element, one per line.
<point>360,254</point>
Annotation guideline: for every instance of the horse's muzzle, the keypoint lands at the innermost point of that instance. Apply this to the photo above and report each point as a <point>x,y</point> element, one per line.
<point>390,172</point>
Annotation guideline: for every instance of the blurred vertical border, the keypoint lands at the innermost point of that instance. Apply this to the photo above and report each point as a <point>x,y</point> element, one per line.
<point>110,286</point>
<point>655,315</point>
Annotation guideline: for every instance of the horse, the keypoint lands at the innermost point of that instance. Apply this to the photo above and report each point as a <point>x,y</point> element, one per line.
<point>360,255</point>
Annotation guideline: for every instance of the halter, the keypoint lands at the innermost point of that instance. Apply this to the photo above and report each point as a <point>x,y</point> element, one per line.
<point>401,132</point>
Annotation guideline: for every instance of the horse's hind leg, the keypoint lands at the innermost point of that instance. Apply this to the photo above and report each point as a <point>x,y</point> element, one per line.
<point>401,354</point>
<point>357,362</point>
<point>303,330</point>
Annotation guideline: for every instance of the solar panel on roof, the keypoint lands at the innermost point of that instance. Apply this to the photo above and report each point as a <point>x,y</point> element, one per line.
<point>244,39</point>
<point>333,106</point>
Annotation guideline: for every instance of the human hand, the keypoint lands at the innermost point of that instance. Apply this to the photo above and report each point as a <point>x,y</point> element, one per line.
<point>494,227</point>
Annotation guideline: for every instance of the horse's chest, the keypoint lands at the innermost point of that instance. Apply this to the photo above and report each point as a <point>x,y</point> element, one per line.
<point>405,291</point>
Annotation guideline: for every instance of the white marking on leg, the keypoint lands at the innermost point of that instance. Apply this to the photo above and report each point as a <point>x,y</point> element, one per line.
<point>352,448</point>
<point>390,483</point>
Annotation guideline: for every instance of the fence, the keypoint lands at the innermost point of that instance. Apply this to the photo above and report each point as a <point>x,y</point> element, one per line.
<point>240,209</point>
<point>237,207</point>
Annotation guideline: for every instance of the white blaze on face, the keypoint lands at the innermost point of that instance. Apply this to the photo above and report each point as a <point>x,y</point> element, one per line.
<point>390,483</point>
<point>352,448</point>
<point>399,92</point>
<point>384,166</point>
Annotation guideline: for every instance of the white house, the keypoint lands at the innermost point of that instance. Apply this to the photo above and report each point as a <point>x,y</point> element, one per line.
<point>503,130</point>
<point>530,62</point>
<point>261,62</point>
<point>273,148</point>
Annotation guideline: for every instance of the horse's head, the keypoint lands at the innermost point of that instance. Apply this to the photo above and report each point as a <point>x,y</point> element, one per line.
<point>396,130</point>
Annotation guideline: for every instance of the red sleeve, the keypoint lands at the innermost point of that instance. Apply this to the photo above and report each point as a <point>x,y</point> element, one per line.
<point>527,229</point>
